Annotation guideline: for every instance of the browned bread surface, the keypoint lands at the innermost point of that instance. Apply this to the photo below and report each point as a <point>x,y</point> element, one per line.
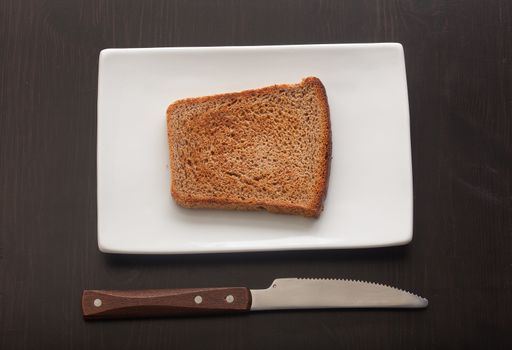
<point>264,149</point>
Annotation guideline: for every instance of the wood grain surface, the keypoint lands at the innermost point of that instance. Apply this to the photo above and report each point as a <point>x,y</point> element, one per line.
<point>459,67</point>
<point>106,304</point>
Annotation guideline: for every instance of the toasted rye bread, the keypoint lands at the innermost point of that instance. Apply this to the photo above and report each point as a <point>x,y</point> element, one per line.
<point>264,149</point>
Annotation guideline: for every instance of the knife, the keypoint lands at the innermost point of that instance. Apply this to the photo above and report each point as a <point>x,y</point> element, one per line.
<point>283,293</point>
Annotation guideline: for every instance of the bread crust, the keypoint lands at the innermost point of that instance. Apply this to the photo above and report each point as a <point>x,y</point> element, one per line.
<point>312,209</point>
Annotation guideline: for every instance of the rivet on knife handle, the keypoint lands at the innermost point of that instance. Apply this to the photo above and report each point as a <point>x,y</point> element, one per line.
<point>103,304</point>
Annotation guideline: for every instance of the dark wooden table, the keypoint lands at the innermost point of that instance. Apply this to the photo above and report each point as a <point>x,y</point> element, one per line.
<point>459,66</point>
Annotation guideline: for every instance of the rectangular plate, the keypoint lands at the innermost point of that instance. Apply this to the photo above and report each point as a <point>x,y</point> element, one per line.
<point>369,200</point>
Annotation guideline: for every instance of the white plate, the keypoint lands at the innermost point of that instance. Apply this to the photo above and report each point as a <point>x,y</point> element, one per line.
<point>369,201</point>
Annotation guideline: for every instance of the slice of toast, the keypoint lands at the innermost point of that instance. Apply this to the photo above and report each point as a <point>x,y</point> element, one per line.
<point>264,149</point>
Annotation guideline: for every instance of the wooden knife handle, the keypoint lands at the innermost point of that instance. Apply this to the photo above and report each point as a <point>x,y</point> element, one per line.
<point>103,304</point>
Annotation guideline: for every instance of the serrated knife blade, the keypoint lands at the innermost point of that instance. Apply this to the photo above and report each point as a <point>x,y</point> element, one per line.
<point>304,293</point>
<point>283,293</point>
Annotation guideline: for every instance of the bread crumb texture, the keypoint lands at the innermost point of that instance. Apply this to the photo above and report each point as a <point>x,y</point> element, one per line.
<point>264,149</point>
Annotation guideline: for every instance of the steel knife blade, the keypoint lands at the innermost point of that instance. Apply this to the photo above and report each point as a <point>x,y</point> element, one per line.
<point>306,293</point>
<point>283,293</point>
